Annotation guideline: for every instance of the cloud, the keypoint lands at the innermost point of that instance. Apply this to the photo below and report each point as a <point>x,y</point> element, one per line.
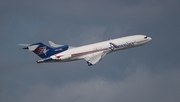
<point>138,87</point>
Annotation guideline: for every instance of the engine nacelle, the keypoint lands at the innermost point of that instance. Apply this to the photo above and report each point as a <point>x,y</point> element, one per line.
<point>65,57</point>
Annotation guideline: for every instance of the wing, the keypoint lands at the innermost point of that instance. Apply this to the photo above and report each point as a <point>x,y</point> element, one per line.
<point>94,58</point>
<point>57,45</point>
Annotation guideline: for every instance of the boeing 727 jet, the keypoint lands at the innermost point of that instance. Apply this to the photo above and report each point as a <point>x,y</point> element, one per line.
<point>91,53</point>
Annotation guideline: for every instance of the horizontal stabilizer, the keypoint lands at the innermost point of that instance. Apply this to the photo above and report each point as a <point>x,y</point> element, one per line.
<point>33,47</point>
<point>53,44</point>
<point>26,45</point>
<point>29,46</point>
<point>44,51</point>
<point>57,45</point>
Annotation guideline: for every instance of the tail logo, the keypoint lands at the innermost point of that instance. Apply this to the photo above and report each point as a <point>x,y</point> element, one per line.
<point>41,50</point>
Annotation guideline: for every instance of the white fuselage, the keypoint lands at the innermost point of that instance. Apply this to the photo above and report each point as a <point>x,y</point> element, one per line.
<point>109,45</point>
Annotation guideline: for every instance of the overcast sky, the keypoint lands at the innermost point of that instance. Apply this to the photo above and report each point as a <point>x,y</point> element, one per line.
<point>149,73</point>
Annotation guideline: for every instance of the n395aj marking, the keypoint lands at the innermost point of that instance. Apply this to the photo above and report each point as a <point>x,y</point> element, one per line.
<point>91,53</point>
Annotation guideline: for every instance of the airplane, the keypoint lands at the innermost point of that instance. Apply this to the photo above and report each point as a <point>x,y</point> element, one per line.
<point>92,53</point>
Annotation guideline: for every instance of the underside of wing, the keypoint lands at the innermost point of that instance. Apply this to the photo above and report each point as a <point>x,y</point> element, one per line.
<point>94,58</point>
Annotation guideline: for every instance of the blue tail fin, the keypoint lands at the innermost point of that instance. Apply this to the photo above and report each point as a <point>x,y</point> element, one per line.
<point>44,51</point>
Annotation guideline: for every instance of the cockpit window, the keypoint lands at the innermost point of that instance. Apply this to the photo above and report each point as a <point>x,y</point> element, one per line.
<point>145,37</point>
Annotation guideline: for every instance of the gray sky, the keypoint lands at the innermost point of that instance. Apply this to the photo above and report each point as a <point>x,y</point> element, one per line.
<point>149,73</point>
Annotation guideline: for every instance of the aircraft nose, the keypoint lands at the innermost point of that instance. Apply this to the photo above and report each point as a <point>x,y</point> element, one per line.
<point>149,38</point>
